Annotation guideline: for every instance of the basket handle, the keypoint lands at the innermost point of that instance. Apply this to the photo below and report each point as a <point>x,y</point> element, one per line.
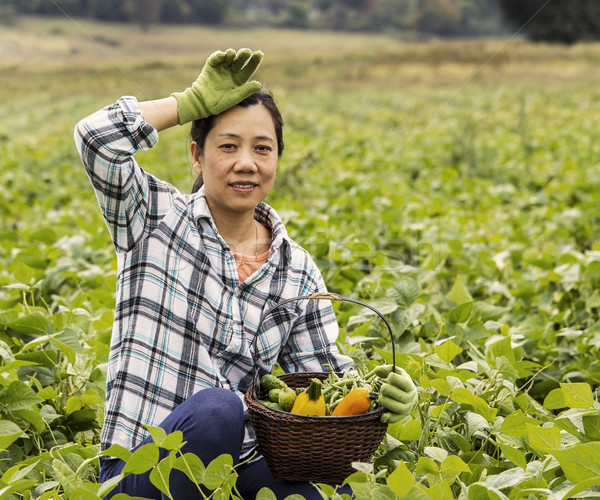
<point>320,296</point>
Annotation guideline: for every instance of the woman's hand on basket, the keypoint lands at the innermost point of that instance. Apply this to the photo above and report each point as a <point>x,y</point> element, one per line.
<point>223,83</point>
<point>398,393</point>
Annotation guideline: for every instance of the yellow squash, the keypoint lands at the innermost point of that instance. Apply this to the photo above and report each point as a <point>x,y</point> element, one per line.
<point>311,401</point>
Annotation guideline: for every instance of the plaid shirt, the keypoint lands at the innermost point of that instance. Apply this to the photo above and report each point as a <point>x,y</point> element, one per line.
<point>183,322</point>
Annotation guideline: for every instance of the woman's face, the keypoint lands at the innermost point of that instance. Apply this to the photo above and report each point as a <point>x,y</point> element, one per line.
<point>239,160</point>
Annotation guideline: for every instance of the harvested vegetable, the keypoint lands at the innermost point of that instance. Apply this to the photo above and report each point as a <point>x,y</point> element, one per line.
<point>270,404</point>
<point>274,394</point>
<point>350,393</point>
<point>356,402</point>
<point>311,401</point>
<point>286,398</point>
<point>269,381</point>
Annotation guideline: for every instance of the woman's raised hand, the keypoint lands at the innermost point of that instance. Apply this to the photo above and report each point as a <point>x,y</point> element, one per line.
<point>398,394</point>
<point>223,83</point>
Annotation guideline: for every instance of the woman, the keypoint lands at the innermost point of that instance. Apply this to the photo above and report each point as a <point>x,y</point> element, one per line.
<point>195,273</point>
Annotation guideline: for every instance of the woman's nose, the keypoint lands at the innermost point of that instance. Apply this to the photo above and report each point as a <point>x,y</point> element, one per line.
<point>245,160</point>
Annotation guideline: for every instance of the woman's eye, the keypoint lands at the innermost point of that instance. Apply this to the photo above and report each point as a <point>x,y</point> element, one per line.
<point>264,149</point>
<point>227,146</point>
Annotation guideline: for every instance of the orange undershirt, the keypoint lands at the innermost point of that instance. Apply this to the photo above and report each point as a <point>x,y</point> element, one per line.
<point>248,264</point>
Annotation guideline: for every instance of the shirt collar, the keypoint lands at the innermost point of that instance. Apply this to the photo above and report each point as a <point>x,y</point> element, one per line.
<point>263,213</point>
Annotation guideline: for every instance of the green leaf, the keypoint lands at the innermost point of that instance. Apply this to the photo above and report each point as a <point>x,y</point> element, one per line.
<point>591,426</point>
<point>441,491</point>
<point>515,455</point>
<point>142,459</point>
<point>417,492</point>
<point>325,488</point>
<point>515,424</point>
<point>453,466</point>
<point>405,292</point>
<point>105,321</point>
<point>579,462</point>
<point>191,465</point>
<point>448,351</point>
<point>265,494</point>
<point>577,395</point>
<point>555,400</point>
<point>34,418</point>
<point>436,453</point>
<point>543,439</point>
<point>442,386</point>
<point>51,495</point>
<point>507,479</point>
<point>73,404</point>
<point>436,411</point>
<point>159,435</point>
<point>480,491</point>
<point>66,349</point>
<point>464,396</point>
<point>82,492</point>
<point>401,480</point>
<point>65,475</point>
<point>380,492</point>
<point>411,431</point>
<point>17,486</point>
<point>82,420</point>
<point>17,472</point>
<point>173,441</point>
<point>460,313</point>
<point>582,486</point>
<point>401,319</point>
<point>488,312</point>
<point>19,396</point>
<point>476,424</point>
<point>110,484</point>
<point>500,347</point>
<point>565,424</point>
<point>217,471</point>
<point>22,272</point>
<point>459,294</point>
<point>9,433</point>
<point>426,465</point>
<point>159,476</point>
<point>117,451</point>
<point>35,323</point>
<point>6,353</point>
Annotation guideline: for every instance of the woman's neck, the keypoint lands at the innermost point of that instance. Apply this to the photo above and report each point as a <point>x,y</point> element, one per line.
<point>243,234</point>
<point>239,233</point>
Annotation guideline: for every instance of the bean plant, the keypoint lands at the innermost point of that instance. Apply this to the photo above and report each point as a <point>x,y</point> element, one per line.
<point>469,219</point>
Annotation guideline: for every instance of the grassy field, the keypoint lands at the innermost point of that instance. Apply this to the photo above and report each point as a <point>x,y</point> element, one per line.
<point>43,47</point>
<point>452,184</point>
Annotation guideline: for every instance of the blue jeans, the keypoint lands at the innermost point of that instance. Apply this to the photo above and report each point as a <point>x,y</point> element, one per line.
<point>212,423</point>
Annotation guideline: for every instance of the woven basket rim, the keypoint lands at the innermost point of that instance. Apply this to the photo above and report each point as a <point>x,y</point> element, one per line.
<point>282,414</point>
<point>285,415</point>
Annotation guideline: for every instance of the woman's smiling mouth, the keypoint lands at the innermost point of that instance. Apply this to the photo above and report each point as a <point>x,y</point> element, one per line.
<point>243,187</point>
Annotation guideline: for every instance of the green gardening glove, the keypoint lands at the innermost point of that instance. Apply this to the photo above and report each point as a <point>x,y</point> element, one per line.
<point>398,393</point>
<point>222,84</point>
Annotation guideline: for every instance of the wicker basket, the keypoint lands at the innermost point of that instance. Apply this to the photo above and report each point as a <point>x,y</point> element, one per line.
<point>308,448</point>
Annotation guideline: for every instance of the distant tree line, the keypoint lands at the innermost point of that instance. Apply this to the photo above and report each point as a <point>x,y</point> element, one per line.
<point>551,20</point>
<point>565,21</point>
<point>438,17</point>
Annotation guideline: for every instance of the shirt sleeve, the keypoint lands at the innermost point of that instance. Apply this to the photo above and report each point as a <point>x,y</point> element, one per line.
<point>312,341</point>
<point>130,199</point>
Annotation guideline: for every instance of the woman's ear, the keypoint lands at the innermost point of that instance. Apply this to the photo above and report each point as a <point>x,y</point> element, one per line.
<point>196,158</point>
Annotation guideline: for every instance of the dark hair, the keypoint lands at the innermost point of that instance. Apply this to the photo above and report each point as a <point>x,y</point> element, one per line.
<point>202,127</point>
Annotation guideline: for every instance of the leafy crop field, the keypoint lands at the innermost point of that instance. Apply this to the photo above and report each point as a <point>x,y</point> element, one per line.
<point>454,186</point>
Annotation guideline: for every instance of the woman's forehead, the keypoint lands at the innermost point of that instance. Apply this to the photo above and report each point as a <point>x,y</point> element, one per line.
<point>238,120</point>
